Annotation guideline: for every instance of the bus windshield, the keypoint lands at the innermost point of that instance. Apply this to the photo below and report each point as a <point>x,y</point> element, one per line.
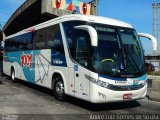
<point>119,52</point>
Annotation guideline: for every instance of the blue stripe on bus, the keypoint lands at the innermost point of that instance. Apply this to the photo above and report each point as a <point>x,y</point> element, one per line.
<point>144,77</point>
<point>113,78</point>
<point>29,73</point>
<point>58,59</point>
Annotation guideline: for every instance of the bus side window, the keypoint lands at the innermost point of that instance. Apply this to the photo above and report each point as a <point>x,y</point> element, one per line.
<point>19,43</point>
<point>7,45</point>
<point>57,43</point>
<point>54,39</point>
<point>23,42</point>
<point>40,38</point>
<point>71,45</point>
<point>49,38</point>
<point>28,39</point>
<point>70,37</point>
<point>82,48</point>
<point>70,33</point>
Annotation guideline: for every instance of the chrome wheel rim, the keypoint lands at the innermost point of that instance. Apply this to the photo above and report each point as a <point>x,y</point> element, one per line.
<point>13,75</point>
<point>59,88</point>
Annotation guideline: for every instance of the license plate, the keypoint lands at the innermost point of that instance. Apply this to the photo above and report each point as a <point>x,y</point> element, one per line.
<point>127,96</point>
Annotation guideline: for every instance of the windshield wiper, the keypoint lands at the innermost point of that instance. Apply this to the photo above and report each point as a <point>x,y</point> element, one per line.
<point>131,59</point>
<point>124,57</point>
<point>134,63</point>
<point>122,52</point>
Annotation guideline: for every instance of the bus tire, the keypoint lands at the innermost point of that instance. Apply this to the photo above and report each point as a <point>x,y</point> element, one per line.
<point>13,78</point>
<point>59,89</point>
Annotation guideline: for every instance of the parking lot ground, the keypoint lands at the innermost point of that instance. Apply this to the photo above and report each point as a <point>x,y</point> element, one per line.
<point>25,98</point>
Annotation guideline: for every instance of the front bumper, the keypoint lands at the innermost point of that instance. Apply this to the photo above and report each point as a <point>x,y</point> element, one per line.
<point>100,94</point>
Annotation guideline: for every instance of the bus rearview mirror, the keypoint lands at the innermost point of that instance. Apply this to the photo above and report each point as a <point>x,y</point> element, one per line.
<point>92,32</point>
<point>152,38</point>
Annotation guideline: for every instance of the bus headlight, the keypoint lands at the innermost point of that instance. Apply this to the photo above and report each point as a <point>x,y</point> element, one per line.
<point>97,82</point>
<point>102,83</point>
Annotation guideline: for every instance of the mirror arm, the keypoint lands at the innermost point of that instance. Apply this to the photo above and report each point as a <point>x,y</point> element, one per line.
<point>152,38</point>
<point>92,32</point>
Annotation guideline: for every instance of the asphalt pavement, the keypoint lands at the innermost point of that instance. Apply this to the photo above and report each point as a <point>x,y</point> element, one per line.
<point>31,101</point>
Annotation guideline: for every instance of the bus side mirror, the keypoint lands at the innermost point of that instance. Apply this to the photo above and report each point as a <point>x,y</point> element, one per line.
<point>92,32</point>
<point>153,39</point>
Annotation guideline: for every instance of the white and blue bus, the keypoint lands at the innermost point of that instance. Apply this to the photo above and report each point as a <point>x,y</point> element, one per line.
<point>92,58</point>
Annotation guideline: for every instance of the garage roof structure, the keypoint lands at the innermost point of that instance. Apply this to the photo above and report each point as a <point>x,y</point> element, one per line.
<point>33,12</point>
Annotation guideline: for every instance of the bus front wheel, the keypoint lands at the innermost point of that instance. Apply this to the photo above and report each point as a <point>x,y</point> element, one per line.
<point>59,89</point>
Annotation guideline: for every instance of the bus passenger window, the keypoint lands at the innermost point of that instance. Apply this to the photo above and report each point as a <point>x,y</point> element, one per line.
<point>40,45</point>
<point>40,38</point>
<point>82,48</point>
<point>57,43</point>
<point>71,45</point>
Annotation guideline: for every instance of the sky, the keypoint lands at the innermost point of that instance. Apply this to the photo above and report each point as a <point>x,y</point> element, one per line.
<point>136,12</point>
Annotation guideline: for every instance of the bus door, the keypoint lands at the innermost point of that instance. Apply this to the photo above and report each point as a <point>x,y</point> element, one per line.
<point>81,66</point>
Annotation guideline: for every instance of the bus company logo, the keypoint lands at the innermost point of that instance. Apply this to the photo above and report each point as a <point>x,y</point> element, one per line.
<point>26,60</point>
<point>135,81</point>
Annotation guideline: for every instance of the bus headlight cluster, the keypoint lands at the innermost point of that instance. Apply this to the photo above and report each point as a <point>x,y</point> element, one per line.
<point>116,87</point>
<point>144,83</point>
<point>102,83</point>
<point>97,82</point>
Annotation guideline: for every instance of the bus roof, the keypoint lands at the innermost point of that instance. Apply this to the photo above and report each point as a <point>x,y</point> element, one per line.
<point>96,19</point>
<point>88,18</point>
